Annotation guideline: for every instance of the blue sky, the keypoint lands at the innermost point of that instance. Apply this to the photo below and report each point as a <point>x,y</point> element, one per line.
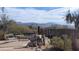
<point>38,14</point>
<point>40,8</point>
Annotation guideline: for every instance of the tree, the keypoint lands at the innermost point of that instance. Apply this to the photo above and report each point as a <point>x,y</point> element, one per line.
<point>73,18</point>
<point>5,23</point>
<point>4,19</point>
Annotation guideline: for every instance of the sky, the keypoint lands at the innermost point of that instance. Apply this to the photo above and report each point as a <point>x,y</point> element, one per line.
<point>38,14</point>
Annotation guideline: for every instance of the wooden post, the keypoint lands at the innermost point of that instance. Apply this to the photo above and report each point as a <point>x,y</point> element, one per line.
<point>38,29</point>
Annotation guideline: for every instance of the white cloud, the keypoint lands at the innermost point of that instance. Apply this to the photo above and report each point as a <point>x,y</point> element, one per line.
<point>39,16</point>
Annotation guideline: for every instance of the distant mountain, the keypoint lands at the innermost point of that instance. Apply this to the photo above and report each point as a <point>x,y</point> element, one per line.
<point>44,25</point>
<point>26,24</point>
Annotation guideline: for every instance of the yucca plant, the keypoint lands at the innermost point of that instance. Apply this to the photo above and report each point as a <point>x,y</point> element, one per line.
<point>73,18</point>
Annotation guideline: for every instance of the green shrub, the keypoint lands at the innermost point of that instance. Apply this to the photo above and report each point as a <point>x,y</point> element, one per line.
<point>57,42</point>
<point>61,43</point>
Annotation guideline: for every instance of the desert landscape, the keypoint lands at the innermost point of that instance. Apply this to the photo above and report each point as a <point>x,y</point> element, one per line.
<point>39,29</point>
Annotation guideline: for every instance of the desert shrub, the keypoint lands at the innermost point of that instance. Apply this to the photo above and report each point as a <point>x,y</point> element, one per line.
<point>61,43</point>
<point>57,42</point>
<point>68,44</point>
<point>2,35</point>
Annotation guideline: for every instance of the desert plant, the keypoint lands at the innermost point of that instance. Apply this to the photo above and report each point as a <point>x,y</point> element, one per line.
<point>73,17</point>
<point>2,35</point>
<point>60,43</point>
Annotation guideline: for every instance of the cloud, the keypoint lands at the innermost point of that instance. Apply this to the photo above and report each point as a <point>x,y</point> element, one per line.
<point>39,16</point>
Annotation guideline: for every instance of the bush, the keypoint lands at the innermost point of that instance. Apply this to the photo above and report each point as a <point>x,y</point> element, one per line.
<point>57,42</point>
<point>61,43</point>
<point>68,44</point>
<point>2,35</point>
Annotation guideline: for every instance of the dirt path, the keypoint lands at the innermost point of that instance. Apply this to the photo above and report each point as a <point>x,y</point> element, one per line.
<point>14,45</point>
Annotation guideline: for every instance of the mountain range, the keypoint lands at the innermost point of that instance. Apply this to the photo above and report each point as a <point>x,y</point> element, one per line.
<point>44,25</point>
